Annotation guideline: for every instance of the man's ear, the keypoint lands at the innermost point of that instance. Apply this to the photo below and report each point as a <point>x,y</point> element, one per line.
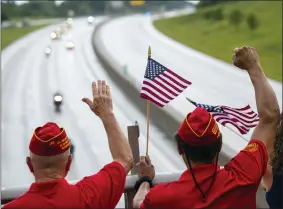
<point>68,165</point>
<point>221,143</point>
<point>28,161</point>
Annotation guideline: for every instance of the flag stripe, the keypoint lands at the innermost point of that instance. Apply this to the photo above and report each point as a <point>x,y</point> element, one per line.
<point>152,84</point>
<point>185,82</point>
<point>243,118</point>
<point>175,80</point>
<point>158,98</point>
<point>221,116</point>
<point>249,115</point>
<point>168,88</point>
<point>225,121</point>
<point>148,96</point>
<point>171,83</point>
<point>157,92</point>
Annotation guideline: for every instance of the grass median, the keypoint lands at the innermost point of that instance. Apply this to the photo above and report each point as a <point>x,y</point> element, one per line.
<point>219,38</point>
<point>8,35</point>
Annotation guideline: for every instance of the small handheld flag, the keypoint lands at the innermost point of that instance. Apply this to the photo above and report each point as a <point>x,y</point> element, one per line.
<point>242,119</point>
<point>160,84</point>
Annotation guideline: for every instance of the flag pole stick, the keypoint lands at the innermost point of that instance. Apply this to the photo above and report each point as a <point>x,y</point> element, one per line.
<point>224,126</point>
<point>147,112</point>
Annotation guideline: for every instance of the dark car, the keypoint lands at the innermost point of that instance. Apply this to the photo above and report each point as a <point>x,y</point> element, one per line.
<point>57,101</point>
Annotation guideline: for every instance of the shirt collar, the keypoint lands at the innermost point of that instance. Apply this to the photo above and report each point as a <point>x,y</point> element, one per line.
<point>200,170</point>
<point>47,186</point>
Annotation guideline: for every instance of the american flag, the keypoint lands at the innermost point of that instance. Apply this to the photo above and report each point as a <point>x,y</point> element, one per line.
<point>241,118</point>
<point>160,84</point>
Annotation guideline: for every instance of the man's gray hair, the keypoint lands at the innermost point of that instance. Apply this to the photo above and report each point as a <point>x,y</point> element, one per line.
<point>50,162</point>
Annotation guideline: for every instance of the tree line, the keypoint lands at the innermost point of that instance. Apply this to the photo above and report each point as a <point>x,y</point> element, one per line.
<point>10,10</point>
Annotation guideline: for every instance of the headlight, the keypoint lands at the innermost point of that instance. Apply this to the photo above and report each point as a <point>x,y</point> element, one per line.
<point>47,50</point>
<point>70,45</point>
<point>58,98</point>
<point>53,35</point>
<point>70,21</point>
<point>90,19</point>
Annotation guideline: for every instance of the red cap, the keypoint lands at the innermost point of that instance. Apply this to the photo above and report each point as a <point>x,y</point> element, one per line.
<point>49,140</point>
<point>199,128</point>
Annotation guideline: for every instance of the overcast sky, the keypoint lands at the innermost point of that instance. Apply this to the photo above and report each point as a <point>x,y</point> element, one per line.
<point>23,2</point>
<point>59,2</point>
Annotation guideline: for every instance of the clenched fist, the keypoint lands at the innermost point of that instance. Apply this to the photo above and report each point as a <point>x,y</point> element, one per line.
<point>246,58</point>
<point>102,100</point>
<point>145,168</point>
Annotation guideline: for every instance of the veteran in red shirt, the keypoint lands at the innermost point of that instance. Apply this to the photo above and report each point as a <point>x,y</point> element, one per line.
<point>50,161</point>
<point>199,141</point>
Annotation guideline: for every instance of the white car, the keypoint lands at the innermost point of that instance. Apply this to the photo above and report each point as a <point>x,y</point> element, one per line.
<point>70,45</point>
<point>47,51</point>
<point>90,20</point>
<point>53,35</point>
<point>70,22</point>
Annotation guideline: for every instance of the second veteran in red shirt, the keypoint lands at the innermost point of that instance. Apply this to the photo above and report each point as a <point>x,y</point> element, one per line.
<point>204,184</point>
<point>199,141</point>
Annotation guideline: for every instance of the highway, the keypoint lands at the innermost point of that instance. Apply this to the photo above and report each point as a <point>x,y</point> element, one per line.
<point>29,80</point>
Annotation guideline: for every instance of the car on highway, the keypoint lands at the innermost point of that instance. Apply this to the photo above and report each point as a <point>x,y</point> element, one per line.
<point>90,20</point>
<point>47,51</point>
<point>57,101</point>
<point>64,29</point>
<point>70,22</point>
<point>56,34</point>
<point>53,36</point>
<point>70,45</point>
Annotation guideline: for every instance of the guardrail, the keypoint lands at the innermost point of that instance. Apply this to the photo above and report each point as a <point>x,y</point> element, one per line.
<point>20,23</point>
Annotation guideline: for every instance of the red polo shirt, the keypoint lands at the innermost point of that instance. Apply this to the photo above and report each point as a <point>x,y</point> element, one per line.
<point>235,185</point>
<point>102,190</point>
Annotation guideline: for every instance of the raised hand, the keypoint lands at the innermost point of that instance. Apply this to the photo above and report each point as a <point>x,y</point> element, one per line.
<point>102,101</point>
<point>246,58</point>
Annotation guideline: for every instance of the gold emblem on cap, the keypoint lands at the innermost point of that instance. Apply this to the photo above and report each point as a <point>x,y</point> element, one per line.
<point>215,129</point>
<point>210,119</point>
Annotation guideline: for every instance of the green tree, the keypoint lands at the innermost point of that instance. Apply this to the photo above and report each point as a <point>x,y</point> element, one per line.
<point>4,17</point>
<point>252,21</point>
<point>215,14</point>
<point>236,17</point>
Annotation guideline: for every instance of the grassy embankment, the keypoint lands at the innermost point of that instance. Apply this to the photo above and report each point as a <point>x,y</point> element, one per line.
<point>8,35</point>
<point>219,38</point>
